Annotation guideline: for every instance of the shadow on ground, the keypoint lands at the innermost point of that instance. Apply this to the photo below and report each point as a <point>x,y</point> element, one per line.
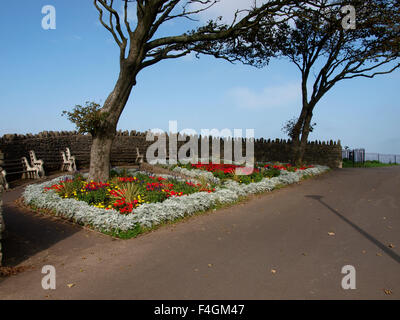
<point>27,232</point>
<point>368,236</point>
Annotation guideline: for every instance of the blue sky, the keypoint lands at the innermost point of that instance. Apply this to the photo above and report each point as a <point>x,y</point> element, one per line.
<point>44,72</point>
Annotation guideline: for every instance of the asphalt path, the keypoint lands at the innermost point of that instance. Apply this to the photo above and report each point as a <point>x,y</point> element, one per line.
<point>291,243</point>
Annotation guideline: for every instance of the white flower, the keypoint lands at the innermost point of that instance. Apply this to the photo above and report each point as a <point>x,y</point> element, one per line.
<point>149,215</point>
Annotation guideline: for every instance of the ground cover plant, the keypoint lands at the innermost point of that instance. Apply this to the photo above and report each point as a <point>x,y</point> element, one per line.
<point>133,202</point>
<point>240,173</point>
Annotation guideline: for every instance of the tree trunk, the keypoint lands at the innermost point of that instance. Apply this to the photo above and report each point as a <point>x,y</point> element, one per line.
<point>100,153</point>
<point>100,157</point>
<point>304,137</point>
<point>297,130</point>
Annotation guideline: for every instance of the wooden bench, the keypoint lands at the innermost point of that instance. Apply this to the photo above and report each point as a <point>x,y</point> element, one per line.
<point>37,163</point>
<point>3,180</point>
<point>27,171</point>
<point>139,157</point>
<point>68,161</point>
<point>71,159</point>
<point>30,172</point>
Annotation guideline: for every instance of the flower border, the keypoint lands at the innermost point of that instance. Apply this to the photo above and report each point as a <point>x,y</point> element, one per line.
<point>151,215</point>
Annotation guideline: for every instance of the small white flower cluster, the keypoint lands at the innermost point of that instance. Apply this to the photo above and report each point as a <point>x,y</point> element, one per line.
<point>152,214</point>
<point>74,210</point>
<point>197,173</point>
<point>268,184</point>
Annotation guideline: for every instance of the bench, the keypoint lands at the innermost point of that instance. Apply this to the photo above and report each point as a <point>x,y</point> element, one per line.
<point>37,163</point>
<point>30,172</point>
<point>68,161</point>
<point>139,157</point>
<point>3,180</point>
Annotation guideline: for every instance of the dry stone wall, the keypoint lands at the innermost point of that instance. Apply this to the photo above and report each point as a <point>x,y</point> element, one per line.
<point>47,146</point>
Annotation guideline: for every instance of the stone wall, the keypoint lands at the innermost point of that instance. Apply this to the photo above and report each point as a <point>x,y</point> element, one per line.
<point>47,146</point>
<point>2,227</point>
<point>317,152</point>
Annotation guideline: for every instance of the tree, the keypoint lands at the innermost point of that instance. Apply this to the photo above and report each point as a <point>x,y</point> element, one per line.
<point>87,118</point>
<point>139,49</point>
<point>289,125</point>
<point>319,40</point>
<point>316,39</point>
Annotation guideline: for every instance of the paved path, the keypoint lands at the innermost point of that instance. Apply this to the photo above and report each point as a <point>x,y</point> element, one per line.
<point>228,254</point>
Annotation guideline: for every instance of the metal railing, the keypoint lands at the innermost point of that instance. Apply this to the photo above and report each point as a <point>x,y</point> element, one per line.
<point>359,155</point>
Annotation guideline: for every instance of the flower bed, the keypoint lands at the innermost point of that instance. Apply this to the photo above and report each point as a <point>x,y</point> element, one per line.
<point>149,212</point>
<point>127,192</point>
<point>240,174</point>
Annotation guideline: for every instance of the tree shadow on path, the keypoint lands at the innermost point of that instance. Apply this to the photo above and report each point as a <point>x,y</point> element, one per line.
<point>375,241</point>
<point>28,233</point>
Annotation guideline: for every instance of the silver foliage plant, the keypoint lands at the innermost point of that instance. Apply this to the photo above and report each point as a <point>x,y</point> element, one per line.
<point>149,215</point>
<point>197,173</point>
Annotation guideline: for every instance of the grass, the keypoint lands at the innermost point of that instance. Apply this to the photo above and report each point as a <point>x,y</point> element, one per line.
<point>367,164</point>
<point>139,230</point>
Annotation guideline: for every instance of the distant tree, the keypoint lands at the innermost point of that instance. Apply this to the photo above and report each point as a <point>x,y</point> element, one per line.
<point>316,39</point>
<point>320,44</point>
<point>288,127</point>
<point>140,48</point>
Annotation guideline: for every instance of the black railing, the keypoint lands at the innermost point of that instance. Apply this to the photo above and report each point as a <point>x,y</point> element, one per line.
<point>360,156</point>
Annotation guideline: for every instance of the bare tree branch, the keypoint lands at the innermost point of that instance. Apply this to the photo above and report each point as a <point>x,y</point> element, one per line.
<point>122,41</point>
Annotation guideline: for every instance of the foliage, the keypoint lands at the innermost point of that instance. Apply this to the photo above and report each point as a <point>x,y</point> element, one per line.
<point>271,172</point>
<point>148,216</point>
<point>87,118</point>
<point>125,193</point>
<point>143,43</point>
<point>317,36</point>
<point>314,39</point>
<point>225,172</point>
<point>289,125</point>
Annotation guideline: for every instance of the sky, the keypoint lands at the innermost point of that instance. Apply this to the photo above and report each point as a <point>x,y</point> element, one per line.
<point>44,72</point>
